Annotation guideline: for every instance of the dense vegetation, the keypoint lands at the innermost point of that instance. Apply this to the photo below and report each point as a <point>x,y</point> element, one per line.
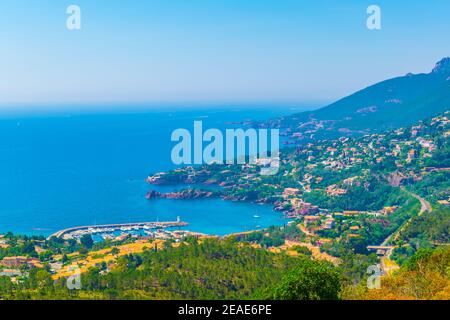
<point>211,269</point>
<point>373,230</point>
<point>435,185</point>
<point>275,236</point>
<point>23,245</point>
<point>373,195</point>
<point>425,275</point>
<point>427,231</point>
<point>226,269</point>
<point>432,227</point>
<point>309,281</point>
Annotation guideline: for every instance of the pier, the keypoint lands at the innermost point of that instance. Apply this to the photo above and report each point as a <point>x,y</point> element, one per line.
<point>119,226</point>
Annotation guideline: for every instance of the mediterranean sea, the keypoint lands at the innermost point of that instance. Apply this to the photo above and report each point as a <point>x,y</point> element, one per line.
<point>66,169</point>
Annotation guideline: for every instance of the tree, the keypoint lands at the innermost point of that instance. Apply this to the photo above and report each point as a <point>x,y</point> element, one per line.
<point>86,240</point>
<point>28,249</point>
<point>424,276</point>
<point>310,280</point>
<point>302,250</point>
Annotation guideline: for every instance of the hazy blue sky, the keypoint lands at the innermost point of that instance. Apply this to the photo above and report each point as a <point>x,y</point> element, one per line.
<point>211,50</point>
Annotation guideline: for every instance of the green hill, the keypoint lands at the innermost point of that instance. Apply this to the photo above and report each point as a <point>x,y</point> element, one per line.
<point>389,104</point>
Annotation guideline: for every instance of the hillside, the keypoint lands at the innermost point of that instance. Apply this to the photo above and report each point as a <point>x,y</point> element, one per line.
<point>424,276</point>
<point>389,104</point>
<point>204,269</point>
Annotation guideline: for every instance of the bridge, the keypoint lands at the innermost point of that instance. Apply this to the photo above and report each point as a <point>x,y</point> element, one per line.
<point>380,247</point>
<point>118,226</point>
<point>381,250</point>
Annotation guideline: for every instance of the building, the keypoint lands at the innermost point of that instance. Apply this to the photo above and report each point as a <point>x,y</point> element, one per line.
<point>306,208</point>
<point>3,242</point>
<point>389,210</point>
<point>290,192</point>
<point>333,191</point>
<point>350,181</point>
<point>350,213</point>
<point>411,155</point>
<point>18,261</point>
<point>329,224</point>
<point>13,261</point>
<point>10,273</point>
<point>310,219</point>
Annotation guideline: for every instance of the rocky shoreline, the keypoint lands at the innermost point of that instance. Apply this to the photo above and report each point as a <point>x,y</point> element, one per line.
<point>201,179</point>
<point>182,195</point>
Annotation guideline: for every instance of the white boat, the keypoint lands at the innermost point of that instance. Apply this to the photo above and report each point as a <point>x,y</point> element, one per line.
<point>256,216</point>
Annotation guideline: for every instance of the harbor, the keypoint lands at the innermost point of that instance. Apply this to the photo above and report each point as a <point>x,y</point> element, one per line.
<point>124,228</point>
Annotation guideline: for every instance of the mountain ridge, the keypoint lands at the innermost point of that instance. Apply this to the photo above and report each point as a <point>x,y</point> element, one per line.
<point>385,105</point>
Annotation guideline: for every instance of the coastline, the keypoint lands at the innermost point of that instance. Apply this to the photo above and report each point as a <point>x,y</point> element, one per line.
<point>65,189</point>
<point>95,229</point>
<point>117,226</point>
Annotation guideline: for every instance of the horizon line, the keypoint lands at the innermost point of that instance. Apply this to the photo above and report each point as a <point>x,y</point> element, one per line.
<point>105,106</point>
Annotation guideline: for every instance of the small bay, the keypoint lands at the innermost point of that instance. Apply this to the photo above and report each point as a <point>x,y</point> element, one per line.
<point>72,169</point>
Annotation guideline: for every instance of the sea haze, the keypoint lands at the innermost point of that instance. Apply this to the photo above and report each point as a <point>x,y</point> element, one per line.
<point>59,171</point>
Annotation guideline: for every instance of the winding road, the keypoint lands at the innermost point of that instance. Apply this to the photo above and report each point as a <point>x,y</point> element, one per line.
<point>386,264</point>
<point>425,206</point>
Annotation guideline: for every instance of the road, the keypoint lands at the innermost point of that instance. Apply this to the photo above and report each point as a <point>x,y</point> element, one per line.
<point>306,231</point>
<point>386,263</point>
<point>425,206</point>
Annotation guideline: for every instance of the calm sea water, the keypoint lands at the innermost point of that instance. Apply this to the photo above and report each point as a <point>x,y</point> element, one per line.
<point>63,170</point>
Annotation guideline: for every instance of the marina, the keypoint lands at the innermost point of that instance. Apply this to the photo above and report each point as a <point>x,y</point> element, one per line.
<point>77,232</point>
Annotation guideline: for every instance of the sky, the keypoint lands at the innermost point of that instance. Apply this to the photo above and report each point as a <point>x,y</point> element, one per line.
<point>211,51</point>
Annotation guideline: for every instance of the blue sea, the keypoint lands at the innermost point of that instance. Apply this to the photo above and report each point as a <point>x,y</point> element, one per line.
<point>65,169</point>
